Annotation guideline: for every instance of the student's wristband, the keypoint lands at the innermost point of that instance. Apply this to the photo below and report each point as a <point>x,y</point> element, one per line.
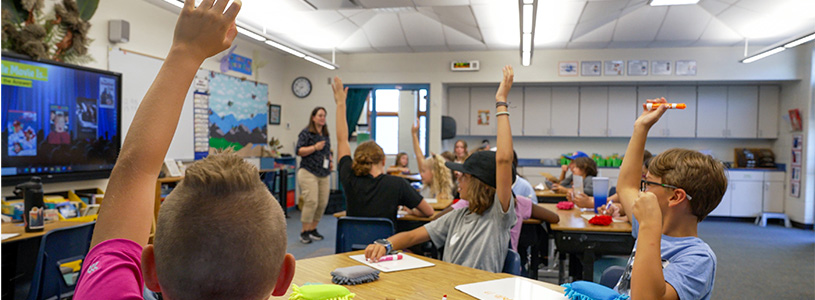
<point>502,113</point>
<point>501,103</point>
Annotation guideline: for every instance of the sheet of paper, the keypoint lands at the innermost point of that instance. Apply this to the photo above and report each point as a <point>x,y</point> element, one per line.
<point>406,263</point>
<point>589,216</point>
<point>431,200</point>
<point>514,288</point>
<point>9,235</point>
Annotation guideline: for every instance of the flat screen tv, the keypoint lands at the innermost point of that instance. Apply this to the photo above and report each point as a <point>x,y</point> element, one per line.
<point>60,122</point>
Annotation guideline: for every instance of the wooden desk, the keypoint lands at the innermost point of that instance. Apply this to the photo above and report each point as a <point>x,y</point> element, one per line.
<point>424,283</point>
<point>576,237</point>
<point>19,228</point>
<point>441,204</point>
<point>549,196</point>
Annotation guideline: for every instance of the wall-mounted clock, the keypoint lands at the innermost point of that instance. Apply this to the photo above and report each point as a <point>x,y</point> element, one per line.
<point>301,87</point>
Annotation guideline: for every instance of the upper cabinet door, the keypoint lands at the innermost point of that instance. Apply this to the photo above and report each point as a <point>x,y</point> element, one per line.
<point>482,111</point>
<point>742,111</point>
<point>660,129</point>
<point>537,111</point>
<point>768,111</point>
<point>593,111</point>
<point>711,112</point>
<point>565,111</point>
<point>622,110</point>
<point>458,107</point>
<point>516,110</point>
<point>682,122</point>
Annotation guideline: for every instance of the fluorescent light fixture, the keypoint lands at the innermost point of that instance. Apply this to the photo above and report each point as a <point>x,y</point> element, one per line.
<point>800,41</point>
<point>527,18</point>
<point>526,58</point>
<point>250,34</point>
<point>529,1</point>
<point>526,43</point>
<point>177,3</point>
<point>320,63</point>
<point>762,55</point>
<point>671,2</point>
<point>285,49</point>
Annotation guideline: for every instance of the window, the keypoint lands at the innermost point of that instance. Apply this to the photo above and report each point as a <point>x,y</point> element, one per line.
<point>383,108</point>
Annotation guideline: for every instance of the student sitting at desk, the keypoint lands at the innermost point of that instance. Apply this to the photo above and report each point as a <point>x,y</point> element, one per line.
<point>220,233</point>
<point>681,188</point>
<point>400,165</point>
<point>564,182</point>
<point>587,169</point>
<point>476,237</point>
<point>437,180</point>
<point>370,192</point>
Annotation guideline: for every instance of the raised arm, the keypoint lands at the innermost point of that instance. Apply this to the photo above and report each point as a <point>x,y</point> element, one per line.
<point>199,33</point>
<point>628,184</point>
<point>503,156</point>
<point>417,149</point>
<point>340,94</point>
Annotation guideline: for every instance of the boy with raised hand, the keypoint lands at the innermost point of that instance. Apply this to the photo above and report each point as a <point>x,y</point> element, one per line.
<point>220,233</point>
<point>680,189</point>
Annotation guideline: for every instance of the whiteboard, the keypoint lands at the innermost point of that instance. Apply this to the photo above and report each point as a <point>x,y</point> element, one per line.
<point>138,72</point>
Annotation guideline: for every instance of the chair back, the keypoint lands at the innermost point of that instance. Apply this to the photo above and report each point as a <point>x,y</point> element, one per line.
<point>56,247</point>
<point>355,233</point>
<point>611,276</point>
<point>512,263</point>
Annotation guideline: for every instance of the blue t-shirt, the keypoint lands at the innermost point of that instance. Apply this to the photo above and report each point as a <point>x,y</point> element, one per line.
<point>688,264</point>
<point>522,187</point>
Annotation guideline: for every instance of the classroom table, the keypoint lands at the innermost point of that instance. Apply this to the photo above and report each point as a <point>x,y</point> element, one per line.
<point>576,237</point>
<point>20,229</point>
<point>549,196</point>
<point>410,177</point>
<point>423,283</point>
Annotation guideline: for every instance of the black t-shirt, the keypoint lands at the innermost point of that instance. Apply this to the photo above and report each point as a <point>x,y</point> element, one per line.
<point>314,161</point>
<point>378,197</point>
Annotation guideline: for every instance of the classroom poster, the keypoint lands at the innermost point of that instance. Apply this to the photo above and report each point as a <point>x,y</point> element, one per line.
<point>22,137</point>
<point>637,67</point>
<point>590,68</point>
<point>483,117</point>
<point>686,67</point>
<point>237,113</point>
<point>661,67</point>
<point>567,68</point>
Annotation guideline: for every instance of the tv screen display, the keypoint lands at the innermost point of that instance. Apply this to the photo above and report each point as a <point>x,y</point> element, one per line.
<point>60,122</point>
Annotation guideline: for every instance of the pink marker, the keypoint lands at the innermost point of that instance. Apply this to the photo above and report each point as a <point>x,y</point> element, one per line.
<point>391,257</point>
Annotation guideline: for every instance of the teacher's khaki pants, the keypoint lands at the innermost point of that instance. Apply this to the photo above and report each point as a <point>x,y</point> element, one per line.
<point>314,190</point>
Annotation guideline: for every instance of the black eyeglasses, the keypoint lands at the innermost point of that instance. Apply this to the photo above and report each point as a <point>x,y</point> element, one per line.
<point>644,185</point>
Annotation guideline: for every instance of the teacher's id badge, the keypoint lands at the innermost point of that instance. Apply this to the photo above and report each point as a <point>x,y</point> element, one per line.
<point>325,163</point>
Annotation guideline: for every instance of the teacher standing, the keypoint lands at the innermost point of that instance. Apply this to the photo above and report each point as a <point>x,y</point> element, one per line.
<point>314,146</point>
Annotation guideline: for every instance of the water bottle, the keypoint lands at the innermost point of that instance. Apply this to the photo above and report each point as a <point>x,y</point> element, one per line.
<point>34,213</point>
<point>600,192</point>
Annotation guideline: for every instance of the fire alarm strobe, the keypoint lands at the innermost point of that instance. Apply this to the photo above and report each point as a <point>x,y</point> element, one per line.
<point>472,65</point>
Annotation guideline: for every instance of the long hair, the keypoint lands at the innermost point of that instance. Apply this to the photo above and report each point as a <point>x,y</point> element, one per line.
<point>399,158</point>
<point>366,156</point>
<point>442,184</point>
<point>466,151</point>
<point>481,195</point>
<point>313,127</point>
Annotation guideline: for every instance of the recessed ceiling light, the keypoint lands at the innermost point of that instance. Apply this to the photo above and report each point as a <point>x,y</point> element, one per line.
<point>671,2</point>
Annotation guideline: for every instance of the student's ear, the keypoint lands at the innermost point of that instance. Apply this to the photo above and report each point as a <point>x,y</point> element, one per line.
<point>148,267</point>
<point>285,276</point>
<point>678,196</point>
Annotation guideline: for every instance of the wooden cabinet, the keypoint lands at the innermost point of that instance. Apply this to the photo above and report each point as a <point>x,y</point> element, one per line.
<point>537,111</point>
<point>458,107</point>
<point>768,111</point>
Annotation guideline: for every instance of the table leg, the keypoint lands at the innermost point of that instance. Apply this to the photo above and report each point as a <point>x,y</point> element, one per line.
<point>588,265</point>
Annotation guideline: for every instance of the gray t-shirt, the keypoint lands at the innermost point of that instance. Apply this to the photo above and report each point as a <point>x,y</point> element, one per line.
<point>476,241</point>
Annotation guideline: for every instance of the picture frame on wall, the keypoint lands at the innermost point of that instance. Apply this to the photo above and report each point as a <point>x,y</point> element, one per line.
<point>274,114</point>
<point>795,174</point>
<point>614,68</point>
<point>567,68</point>
<point>795,189</point>
<point>796,158</point>
<point>591,68</point>
<point>797,141</point>
<point>637,67</point>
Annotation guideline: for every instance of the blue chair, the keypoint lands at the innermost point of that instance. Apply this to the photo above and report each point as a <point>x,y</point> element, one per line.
<point>56,247</point>
<point>611,275</point>
<point>355,233</point>
<point>512,263</point>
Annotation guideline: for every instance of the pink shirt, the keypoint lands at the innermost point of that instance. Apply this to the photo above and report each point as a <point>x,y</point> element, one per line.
<point>523,211</point>
<point>111,270</point>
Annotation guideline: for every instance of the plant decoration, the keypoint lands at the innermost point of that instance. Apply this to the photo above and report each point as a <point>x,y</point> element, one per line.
<point>60,35</point>
<point>274,146</point>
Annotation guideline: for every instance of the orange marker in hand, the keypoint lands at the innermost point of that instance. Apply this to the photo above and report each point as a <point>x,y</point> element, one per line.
<point>652,106</point>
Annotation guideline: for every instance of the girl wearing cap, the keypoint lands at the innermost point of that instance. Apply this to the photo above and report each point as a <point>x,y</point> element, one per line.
<point>476,237</point>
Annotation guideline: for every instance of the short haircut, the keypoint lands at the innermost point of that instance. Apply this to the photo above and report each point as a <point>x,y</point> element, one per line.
<point>588,165</point>
<point>701,176</point>
<point>220,233</point>
<point>366,155</point>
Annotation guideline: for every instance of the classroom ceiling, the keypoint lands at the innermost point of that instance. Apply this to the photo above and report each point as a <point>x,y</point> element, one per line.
<point>387,26</point>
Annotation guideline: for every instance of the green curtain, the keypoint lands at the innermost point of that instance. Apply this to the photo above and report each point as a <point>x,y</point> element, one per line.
<point>354,104</point>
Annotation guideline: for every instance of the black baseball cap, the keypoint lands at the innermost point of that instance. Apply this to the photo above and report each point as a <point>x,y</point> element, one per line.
<point>480,164</point>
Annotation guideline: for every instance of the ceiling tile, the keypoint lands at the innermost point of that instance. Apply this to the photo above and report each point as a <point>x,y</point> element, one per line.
<point>420,30</point>
<point>384,3</point>
<point>685,22</point>
<point>557,13</point>
<point>671,44</point>
<point>640,25</point>
<point>497,16</point>
<point>495,37</point>
<point>718,32</point>
<point>587,45</point>
<point>441,2</point>
<point>350,12</point>
<point>363,17</point>
<point>384,30</point>
<point>473,47</point>
<point>714,7</point>
<point>629,44</point>
<point>394,49</point>
<point>599,34</point>
<point>433,48</point>
<point>355,42</point>
<point>553,35</point>
<point>602,10</point>
<point>461,18</point>
<point>454,37</point>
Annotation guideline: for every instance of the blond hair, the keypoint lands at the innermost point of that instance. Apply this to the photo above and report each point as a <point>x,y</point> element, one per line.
<point>442,183</point>
<point>220,233</point>
<point>481,195</point>
<point>366,156</point>
<point>701,176</point>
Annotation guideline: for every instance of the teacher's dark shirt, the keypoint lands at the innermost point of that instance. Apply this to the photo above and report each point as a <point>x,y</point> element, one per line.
<point>314,161</point>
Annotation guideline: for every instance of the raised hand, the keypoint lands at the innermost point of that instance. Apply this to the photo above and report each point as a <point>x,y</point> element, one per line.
<point>506,84</point>
<point>206,30</point>
<point>340,93</point>
<point>649,117</point>
<point>647,211</point>
<point>415,128</point>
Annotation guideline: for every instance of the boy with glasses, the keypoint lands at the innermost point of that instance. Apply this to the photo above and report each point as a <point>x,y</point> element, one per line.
<point>680,189</point>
